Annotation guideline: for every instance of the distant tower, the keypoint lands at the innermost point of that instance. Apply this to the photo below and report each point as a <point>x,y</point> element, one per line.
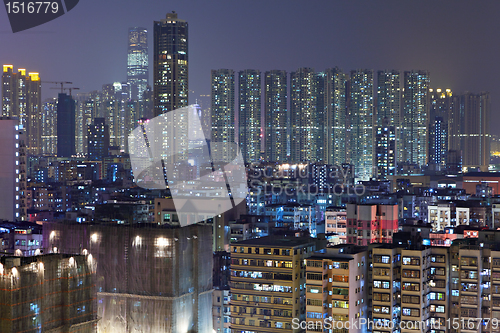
<point>170,64</point>
<point>335,116</point>
<point>276,116</point>
<point>361,112</point>
<point>249,114</point>
<point>21,98</point>
<point>49,127</point>
<point>98,140</point>
<point>472,113</point>
<point>415,117</point>
<point>303,116</point>
<point>12,175</point>
<point>222,83</point>
<point>137,62</point>
<point>385,149</point>
<point>389,105</point>
<point>439,123</point>
<point>66,125</point>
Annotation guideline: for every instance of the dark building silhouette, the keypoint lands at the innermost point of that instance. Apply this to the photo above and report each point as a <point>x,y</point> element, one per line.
<point>66,125</point>
<point>98,140</point>
<point>170,64</point>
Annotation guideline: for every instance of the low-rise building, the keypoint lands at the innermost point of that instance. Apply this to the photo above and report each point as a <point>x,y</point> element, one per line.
<point>48,293</point>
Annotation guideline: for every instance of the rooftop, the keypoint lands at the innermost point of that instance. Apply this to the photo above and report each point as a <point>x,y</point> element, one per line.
<point>276,241</point>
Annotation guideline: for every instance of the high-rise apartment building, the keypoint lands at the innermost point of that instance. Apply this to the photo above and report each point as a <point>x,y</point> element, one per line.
<point>12,170</point>
<point>249,113</point>
<point>409,288</point>
<point>471,117</point>
<point>438,142</point>
<point>268,284</point>
<point>439,125</point>
<point>385,149</point>
<point>33,113</point>
<point>475,284</point>
<point>389,107</point>
<point>66,125</point>
<point>223,114</point>
<point>276,116</point>
<point>119,111</point>
<point>137,62</point>
<point>415,117</point>
<point>21,98</point>
<point>98,140</point>
<point>170,61</point>
<point>361,123</point>
<point>335,120</point>
<point>336,289</point>
<point>48,122</point>
<point>304,118</point>
<point>84,105</point>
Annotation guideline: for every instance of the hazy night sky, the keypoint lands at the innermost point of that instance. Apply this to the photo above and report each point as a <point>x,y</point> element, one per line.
<point>457,41</point>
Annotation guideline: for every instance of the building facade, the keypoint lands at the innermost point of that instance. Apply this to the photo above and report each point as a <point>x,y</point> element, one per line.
<point>249,113</point>
<point>276,116</point>
<point>170,61</point>
<point>368,224</point>
<point>361,123</point>
<point>304,128</point>
<point>137,62</point>
<point>21,98</point>
<point>66,126</point>
<point>48,293</point>
<point>268,284</point>
<point>98,140</point>
<point>415,117</point>
<point>223,114</point>
<point>145,273</point>
<point>12,170</point>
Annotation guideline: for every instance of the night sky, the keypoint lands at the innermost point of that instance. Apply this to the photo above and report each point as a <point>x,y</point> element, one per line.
<point>457,41</point>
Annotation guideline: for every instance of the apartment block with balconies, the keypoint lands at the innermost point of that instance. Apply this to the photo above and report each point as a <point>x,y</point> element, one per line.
<point>268,284</point>
<point>337,289</point>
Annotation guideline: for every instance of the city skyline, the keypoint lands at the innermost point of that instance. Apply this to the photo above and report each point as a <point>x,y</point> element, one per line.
<point>449,60</point>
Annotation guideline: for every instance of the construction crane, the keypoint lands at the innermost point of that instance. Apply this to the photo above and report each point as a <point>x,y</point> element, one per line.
<point>62,83</point>
<point>62,89</point>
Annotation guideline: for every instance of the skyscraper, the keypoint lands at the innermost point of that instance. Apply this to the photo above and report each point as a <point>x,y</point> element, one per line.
<point>303,117</point>
<point>361,112</point>
<point>222,84</point>
<point>389,105</point>
<point>33,113</point>
<point>249,114</point>
<point>137,62</point>
<point>48,122</point>
<point>276,116</point>
<point>385,149</point>
<point>21,98</point>
<point>98,139</point>
<point>415,117</point>
<point>335,116</point>
<point>170,64</point>
<point>83,117</point>
<point>12,169</point>
<point>66,125</point>
<point>439,123</point>
<point>472,130</point>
